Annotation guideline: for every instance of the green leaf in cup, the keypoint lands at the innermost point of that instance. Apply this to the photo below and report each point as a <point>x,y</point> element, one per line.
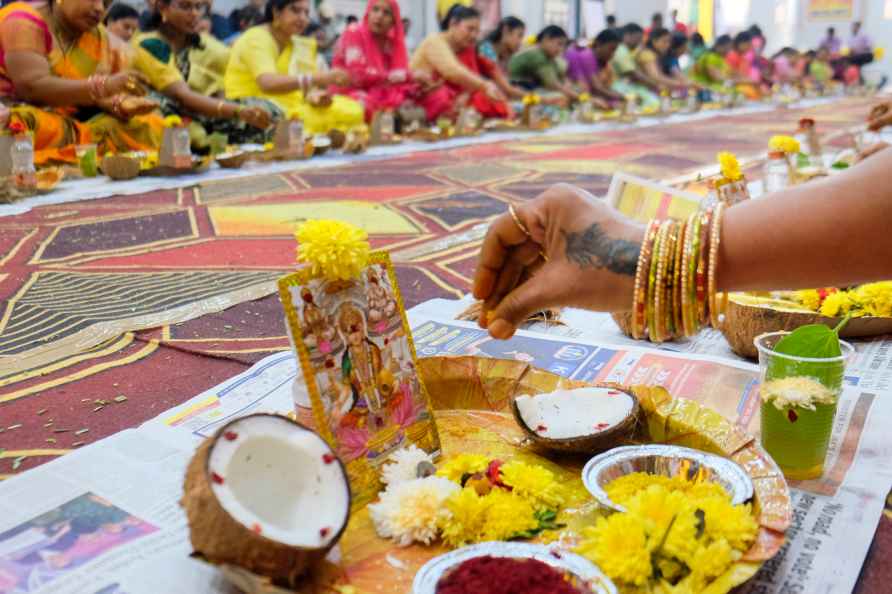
<point>814,341</point>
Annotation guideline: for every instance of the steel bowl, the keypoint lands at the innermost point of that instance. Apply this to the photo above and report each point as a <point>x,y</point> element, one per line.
<point>665,460</point>
<point>589,574</point>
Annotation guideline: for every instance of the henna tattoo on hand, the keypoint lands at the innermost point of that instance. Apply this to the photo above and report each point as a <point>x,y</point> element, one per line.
<point>593,248</point>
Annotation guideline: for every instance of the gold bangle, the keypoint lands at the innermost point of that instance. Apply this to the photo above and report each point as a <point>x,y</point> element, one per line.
<point>714,242</point>
<point>639,295</point>
<point>657,334</point>
<point>518,222</point>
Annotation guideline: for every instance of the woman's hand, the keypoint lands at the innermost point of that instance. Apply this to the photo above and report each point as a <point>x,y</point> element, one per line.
<point>396,77</point>
<point>129,82</point>
<point>491,90</point>
<point>579,252</point>
<point>337,78</point>
<point>880,116</point>
<point>879,110</point>
<point>256,117</point>
<point>125,107</point>
<point>600,103</point>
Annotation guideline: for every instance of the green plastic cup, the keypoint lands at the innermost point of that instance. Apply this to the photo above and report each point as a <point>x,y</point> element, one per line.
<point>799,400</point>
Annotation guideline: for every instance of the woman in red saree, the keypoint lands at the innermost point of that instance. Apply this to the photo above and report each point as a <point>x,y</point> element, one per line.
<point>374,54</point>
<point>468,78</point>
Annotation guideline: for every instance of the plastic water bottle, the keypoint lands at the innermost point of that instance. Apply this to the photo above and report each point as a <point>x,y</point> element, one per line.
<point>777,173</point>
<point>22,158</point>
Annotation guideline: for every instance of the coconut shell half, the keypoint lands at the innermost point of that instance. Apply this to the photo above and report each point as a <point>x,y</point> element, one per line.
<point>746,319</point>
<point>261,525</point>
<point>599,441</point>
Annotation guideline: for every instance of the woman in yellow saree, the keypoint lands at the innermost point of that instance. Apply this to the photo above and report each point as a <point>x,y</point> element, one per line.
<point>270,62</point>
<point>65,79</point>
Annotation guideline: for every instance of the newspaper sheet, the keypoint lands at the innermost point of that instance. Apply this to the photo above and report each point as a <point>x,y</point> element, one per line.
<point>106,519</point>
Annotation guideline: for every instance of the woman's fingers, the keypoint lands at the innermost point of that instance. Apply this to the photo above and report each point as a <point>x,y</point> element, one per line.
<point>503,235</point>
<point>539,292</point>
<point>520,258</point>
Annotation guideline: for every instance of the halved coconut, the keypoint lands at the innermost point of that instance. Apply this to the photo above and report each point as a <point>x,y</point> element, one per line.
<point>583,420</point>
<point>268,495</point>
<point>749,316</point>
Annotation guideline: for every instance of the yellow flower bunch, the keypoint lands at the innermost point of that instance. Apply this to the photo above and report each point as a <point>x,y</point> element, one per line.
<point>532,99</point>
<point>534,483</point>
<point>499,515</point>
<point>879,53</point>
<point>784,144</point>
<point>584,98</point>
<point>336,250</point>
<point>455,468</point>
<point>730,166</point>
<point>500,501</point>
<point>675,536</point>
<point>873,299</point>
<point>173,121</point>
<point>626,487</point>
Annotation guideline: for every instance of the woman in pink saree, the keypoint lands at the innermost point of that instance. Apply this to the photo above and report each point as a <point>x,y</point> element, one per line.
<point>374,53</point>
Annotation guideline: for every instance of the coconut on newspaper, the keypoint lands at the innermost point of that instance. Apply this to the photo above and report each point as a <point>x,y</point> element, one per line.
<point>267,495</point>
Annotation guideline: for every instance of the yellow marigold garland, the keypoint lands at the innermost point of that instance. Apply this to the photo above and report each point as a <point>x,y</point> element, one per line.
<point>334,249</point>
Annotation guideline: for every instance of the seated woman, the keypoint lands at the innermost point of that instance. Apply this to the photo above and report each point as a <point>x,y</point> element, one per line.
<point>630,80</point>
<point>741,61</point>
<point>270,62</point>
<point>711,71</point>
<point>820,70</point>
<point>537,68</point>
<point>589,67</point>
<point>186,70</point>
<point>649,61</point>
<point>467,78</point>
<point>505,41</point>
<point>67,79</point>
<point>374,54</point>
<point>784,63</point>
<point>670,63</point>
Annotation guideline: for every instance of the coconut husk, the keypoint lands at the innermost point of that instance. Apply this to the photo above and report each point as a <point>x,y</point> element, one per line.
<point>744,322</point>
<point>120,168</point>
<point>235,160</point>
<point>595,443</point>
<point>221,540</point>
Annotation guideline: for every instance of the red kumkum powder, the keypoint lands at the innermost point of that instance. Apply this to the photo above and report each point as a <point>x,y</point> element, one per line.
<point>499,575</point>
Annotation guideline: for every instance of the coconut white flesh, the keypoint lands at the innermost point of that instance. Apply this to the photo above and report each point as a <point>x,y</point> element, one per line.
<point>281,479</point>
<point>564,414</point>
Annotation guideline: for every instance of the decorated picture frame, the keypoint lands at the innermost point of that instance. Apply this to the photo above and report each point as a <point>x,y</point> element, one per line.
<point>359,365</point>
<point>642,200</point>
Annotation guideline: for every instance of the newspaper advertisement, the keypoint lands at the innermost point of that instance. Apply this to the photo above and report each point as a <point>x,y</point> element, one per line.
<point>106,519</point>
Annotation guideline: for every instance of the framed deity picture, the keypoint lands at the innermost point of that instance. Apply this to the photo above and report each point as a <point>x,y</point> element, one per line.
<point>355,349</point>
<point>643,200</point>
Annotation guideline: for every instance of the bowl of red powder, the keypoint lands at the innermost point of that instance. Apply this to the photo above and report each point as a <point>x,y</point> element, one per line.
<point>511,568</point>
